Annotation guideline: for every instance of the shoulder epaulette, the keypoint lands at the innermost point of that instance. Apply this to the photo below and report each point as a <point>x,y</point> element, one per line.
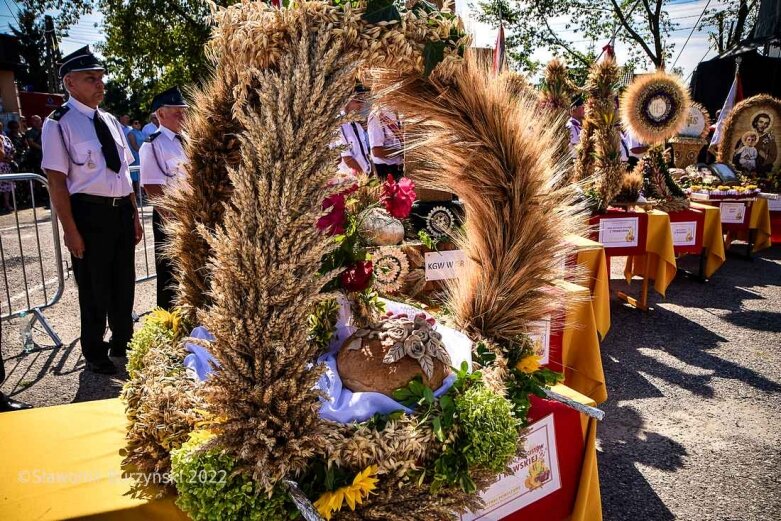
<point>59,112</point>
<point>153,136</point>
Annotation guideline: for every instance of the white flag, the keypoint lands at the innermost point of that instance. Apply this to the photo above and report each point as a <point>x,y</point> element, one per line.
<point>735,95</point>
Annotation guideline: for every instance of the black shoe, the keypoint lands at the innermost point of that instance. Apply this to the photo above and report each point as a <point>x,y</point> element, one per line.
<point>7,404</point>
<point>102,367</point>
<point>118,351</point>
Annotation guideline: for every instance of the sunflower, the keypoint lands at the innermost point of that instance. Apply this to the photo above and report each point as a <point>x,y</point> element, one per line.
<point>166,319</point>
<point>528,364</point>
<point>354,494</point>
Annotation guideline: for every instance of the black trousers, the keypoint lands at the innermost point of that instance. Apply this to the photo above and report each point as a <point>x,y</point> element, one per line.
<point>106,276</point>
<point>165,279</point>
<point>397,171</point>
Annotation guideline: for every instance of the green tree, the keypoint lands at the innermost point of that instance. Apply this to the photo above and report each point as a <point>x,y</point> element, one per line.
<point>730,23</point>
<point>150,44</point>
<point>29,31</point>
<point>643,25</point>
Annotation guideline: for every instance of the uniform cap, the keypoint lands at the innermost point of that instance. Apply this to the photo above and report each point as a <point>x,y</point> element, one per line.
<point>169,98</point>
<point>80,60</point>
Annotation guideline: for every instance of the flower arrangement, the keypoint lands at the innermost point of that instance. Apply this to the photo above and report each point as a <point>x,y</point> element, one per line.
<point>397,197</point>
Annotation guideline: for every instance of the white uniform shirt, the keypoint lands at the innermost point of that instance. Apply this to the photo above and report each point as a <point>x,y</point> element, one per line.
<point>574,126</point>
<point>149,129</point>
<point>162,158</point>
<point>353,138</point>
<point>385,131</point>
<point>71,146</point>
<point>633,142</point>
<point>625,147</point>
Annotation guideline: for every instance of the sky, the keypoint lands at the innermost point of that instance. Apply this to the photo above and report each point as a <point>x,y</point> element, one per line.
<point>683,11</point>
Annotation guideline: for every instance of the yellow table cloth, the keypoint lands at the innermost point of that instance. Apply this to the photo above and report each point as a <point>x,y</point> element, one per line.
<point>660,253</point>
<point>591,259</point>
<point>588,502</point>
<point>580,353</point>
<point>63,462</point>
<point>760,221</point>
<point>712,238</point>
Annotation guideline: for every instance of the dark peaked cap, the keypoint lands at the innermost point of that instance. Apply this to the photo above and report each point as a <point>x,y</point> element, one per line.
<point>81,60</point>
<point>169,98</point>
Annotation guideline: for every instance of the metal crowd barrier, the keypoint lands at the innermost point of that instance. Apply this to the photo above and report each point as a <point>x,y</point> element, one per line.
<point>148,237</point>
<point>29,301</point>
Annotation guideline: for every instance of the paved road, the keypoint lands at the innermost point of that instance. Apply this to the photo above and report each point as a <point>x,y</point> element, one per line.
<point>27,253</point>
<point>693,424</point>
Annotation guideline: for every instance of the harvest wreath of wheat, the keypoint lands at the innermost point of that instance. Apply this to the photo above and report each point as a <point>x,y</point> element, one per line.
<point>249,269</point>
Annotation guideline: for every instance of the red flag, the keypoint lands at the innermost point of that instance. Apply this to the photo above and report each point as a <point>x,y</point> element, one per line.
<point>609,51</point>
<point>277,3</point>
<point>499,50</point>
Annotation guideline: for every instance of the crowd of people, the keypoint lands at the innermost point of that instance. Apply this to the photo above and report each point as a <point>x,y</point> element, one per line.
<point>21,151</point>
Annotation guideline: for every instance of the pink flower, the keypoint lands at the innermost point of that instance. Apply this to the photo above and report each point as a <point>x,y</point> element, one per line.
<point>357,277</point>
<point>335,220</point>
<point>397,198</point>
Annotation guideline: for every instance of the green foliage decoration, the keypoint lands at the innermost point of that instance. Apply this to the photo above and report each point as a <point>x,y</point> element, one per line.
<point>489,436</point>
<point>210,489</point>
<point>475,425</point>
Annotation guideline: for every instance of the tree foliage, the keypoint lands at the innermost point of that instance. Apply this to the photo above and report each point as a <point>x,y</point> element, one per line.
<point>643,25</point>
<point>150,44</point>
<point>730,23</point>
<point>29,31</point>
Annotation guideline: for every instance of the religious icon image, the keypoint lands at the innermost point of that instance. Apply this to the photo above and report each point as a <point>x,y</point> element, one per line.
<point>750,137</point>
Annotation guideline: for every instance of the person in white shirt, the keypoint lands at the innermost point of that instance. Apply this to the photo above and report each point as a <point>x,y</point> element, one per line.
<point>86,158</point>
<point>355,157</point>
<point>577,112</point>
<point>386,142</point>
<point>163,160</point>
<point>151,127</point>
<point>635,148</point>
<point>124,120</point>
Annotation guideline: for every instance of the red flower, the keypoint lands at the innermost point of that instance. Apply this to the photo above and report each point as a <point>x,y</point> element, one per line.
<point>335,220</point>
<point>397,198</point>
<point>357,277</point>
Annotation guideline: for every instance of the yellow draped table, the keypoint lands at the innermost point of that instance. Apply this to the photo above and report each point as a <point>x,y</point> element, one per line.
<point>760,221</point>
<point>588,502</point>
<point>63,462</point>
<point>712,238</point>
<point>581,357</point>
<point>659,258</point>
<point>592,266</point>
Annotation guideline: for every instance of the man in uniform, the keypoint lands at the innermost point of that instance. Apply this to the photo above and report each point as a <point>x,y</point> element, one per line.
<point>162,161</point>
<point>355,157</point>
<point>385,140</point>
<point>577,112</point>
<point>86,158</point>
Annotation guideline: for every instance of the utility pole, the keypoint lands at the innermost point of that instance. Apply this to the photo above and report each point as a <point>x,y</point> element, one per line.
<point>52,54</point>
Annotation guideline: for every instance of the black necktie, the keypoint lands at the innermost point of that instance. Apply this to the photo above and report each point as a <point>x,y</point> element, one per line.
<point>180,138</point>
<point>107,143</point>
